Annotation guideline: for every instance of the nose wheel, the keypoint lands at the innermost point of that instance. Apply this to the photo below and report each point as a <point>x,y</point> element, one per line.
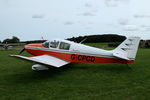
<point>39,67</point>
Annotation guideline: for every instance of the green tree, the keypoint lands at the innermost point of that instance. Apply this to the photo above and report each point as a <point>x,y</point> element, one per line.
<point>14,39</point>
<point>6,41</point>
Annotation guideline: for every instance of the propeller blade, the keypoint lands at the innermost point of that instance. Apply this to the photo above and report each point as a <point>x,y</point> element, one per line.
<point>22,50</point>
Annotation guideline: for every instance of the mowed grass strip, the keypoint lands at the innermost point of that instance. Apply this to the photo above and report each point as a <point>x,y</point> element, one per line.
<point>75,81</point>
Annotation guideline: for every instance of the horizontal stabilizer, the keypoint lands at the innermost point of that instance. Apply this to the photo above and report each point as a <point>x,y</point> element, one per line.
<point>44,59</point>
<point>120,56</point>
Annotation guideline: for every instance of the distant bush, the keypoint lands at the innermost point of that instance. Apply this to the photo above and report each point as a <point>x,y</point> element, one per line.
<point>147,44</point>
<point>115,44</point>
<point>142,44</point>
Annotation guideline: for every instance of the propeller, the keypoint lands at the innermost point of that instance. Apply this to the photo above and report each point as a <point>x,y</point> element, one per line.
<point>22,51</point>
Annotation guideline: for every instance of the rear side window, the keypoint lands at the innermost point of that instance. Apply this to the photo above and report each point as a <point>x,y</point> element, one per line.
<point>64,46</point>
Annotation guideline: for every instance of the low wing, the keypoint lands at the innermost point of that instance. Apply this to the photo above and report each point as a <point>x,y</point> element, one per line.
<point>44,59</point>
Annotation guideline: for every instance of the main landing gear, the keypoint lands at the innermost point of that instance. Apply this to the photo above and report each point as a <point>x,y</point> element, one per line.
<point>128,66</point>
<point>39,67</point>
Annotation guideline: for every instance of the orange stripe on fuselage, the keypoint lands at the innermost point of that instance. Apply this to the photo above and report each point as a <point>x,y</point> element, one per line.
<point>75,58</point>
<point>34,45</point>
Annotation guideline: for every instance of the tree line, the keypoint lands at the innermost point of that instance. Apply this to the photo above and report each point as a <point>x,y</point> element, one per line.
<point>113,40</point>
<point>106,38</point>
<point>15,39</point>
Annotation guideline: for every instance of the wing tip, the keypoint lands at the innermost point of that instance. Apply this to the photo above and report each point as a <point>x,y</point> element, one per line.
<point>11,55</point>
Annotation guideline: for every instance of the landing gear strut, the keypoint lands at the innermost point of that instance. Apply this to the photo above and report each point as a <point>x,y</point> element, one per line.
<point>128,66</point>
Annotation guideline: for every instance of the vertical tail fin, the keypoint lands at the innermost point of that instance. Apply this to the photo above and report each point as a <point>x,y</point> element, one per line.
<point>127,49</point>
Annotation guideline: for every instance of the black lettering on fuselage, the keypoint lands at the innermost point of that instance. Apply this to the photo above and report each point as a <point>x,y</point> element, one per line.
<point>82,58</point>
<point>73,56</point>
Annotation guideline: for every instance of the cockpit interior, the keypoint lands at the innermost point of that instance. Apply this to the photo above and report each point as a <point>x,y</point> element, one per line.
<point>56,44</point>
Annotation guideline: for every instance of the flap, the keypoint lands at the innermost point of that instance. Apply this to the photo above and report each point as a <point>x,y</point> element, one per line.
<point>44,59</point>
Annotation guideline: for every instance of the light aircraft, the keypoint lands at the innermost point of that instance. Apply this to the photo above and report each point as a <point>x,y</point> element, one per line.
<point>9,46</point>
<point>59,52</point>
<point>5,46</point>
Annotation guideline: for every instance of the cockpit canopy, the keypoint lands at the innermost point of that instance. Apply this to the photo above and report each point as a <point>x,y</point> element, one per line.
<point>56,44</point>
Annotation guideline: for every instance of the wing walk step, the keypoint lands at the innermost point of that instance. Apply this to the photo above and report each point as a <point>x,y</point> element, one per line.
<point>125,49</point>
<point>128,44</point>
<point>131,39</point>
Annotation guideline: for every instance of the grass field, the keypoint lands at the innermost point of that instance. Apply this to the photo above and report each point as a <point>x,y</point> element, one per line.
<point>75,81</point>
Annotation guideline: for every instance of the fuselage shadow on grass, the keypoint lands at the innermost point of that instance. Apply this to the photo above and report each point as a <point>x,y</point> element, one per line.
<point>116,67</point>
<point>30,76</point>
<point>53,73</point>
<point>103,67</point>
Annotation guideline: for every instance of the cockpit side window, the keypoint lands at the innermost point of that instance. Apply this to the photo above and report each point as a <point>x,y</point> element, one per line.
<point>54,44</point>
<point>65,46</point>
<point>46,44</point>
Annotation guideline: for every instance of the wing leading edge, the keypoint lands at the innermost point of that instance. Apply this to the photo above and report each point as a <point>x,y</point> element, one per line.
<point>44,59</point>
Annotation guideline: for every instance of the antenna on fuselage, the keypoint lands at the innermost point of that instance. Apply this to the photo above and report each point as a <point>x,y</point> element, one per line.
<point>82,40</point>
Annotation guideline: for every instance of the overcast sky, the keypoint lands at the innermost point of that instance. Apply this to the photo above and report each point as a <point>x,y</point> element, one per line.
<point>33,19</point>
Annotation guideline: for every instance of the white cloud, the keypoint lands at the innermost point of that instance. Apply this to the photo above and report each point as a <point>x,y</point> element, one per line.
<point>145,27</point>
<point>68,23</point>
<point>88,5</point>
<point>141,16</point>
<point>115,3</point>
<point>111,3</point>
<point>131,28</point>
<point>38,16</point>
<point>123,21</point>
<point>87,28</point>
<point>87,14</point>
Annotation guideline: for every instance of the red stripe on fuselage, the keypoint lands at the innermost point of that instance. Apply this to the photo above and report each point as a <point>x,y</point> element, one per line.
<point>78,58</point>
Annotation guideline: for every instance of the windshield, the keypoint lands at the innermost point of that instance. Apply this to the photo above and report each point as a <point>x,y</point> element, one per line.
<point>46,44</point>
